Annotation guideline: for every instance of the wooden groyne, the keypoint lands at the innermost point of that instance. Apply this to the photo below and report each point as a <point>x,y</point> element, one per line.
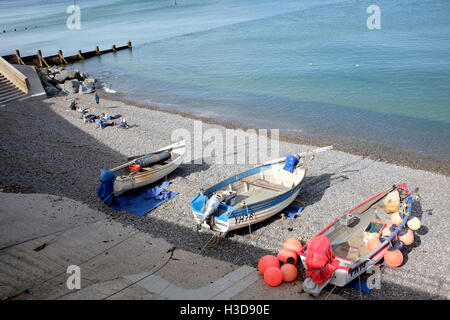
<point>59,59</point>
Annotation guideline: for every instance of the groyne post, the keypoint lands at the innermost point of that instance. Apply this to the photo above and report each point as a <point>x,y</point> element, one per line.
<point>42,61</point>
<point>80,55</point>
<point>18,58</point>
<point>61,57</point>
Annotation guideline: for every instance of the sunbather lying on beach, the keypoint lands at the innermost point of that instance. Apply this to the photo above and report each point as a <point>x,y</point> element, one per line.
<point>123,124</point>
<point>101,124</point>
<point>81,110</point>
<point>104,116</point>
<point>88,117</point>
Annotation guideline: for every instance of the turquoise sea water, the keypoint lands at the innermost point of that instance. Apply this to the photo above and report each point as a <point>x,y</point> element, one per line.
<point>311,68</point>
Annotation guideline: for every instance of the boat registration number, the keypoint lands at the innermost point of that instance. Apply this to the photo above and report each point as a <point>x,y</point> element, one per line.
<point>244,218</point>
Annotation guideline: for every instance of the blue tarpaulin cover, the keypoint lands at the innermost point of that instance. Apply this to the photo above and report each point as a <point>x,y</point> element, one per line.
<point>291,162</point>
<point>139,201</point>
<point>105,189</point>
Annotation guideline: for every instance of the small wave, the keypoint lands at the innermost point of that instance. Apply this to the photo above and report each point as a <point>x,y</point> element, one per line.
<point>108,89</point>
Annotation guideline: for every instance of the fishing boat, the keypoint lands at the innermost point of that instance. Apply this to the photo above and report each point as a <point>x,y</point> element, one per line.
<point>350,233</point>
<point>251,196</point>
<point>148,168</point>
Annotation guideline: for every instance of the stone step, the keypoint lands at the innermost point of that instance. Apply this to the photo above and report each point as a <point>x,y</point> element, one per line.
<point>11,97</point>
<point>4,89</point>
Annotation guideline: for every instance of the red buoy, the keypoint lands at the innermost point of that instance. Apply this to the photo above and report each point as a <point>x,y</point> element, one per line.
<point>393,257</point>
<point>273,276</point>
<point>406,236</point>
<point>293,244</point>
<point>266,262</point>
<point>289,271</point>
<point>287,256</point>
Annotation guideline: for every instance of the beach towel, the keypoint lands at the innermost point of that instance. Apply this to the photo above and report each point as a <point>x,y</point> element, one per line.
<point>142,201</point>
<point>139,201</point>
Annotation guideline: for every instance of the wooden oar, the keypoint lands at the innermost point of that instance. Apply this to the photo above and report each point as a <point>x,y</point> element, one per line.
<point>299,154</point>
<point>371,203</point>
<point>172,146</point>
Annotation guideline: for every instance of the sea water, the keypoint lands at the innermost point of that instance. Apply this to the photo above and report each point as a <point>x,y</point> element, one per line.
<point>311,68</point>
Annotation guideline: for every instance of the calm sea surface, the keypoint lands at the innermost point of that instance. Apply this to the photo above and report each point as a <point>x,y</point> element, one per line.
<point>311,68</point>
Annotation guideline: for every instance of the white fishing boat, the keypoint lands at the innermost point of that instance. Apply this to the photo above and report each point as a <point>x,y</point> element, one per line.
<point>349,234</point>
<point>149,168</point>
<point>251,196</point>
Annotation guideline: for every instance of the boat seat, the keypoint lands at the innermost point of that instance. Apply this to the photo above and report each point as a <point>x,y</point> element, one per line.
<point>256,181</point>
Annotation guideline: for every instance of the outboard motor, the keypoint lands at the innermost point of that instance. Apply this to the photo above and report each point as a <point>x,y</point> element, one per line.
<point>211,207</point>
<point>148,160</point>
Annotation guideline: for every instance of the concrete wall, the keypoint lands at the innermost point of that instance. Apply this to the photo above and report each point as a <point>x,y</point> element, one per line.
<point>13,75</point>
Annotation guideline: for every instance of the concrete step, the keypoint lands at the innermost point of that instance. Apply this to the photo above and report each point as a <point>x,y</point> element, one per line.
<point>11,97</point>
<point>5,89</point>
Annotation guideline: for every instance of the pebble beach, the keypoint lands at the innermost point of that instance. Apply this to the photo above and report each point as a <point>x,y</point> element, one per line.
<point>46,148</point>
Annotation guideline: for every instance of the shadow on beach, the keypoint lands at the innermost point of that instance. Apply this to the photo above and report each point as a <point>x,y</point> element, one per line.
<point>41,152</point>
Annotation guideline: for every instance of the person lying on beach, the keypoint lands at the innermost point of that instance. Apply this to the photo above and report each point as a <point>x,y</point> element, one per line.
<point>81,110</point>
<point>123,124</point>
<point>88,118</point>
<point>104,116</point>
<point>101,124</point>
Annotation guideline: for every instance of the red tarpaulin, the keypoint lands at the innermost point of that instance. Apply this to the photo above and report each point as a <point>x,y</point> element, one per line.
<point>320,261</point>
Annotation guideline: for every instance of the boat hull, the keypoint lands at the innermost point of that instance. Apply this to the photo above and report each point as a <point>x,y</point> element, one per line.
<point>348,270</point>
<point>243,215</point>
<point>126,183</point>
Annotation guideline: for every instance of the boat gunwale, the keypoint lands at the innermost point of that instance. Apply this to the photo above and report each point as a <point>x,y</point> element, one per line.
<point>144,174</point>
<point>357,263</point>
<point>240,176</point>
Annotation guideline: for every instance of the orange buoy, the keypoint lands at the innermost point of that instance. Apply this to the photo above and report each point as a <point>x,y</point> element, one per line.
<point>393,257</point>
<point>406,236</point>
<point>293,244</point>
<point>373,243</point>
<point>273,276</point>
<point>396,218</point>
<point>266,262</point>
<point>289,271</point>
<point>287,256</point>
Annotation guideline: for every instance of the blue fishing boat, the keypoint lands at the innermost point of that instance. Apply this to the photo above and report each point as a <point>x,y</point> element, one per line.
<point>251,196</point>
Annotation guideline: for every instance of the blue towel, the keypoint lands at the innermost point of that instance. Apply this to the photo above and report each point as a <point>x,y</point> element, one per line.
<point>355,284</point>
<point>290,215</point>
<point>139,201</point>
<point>295,208</point>
<point>142,201</point>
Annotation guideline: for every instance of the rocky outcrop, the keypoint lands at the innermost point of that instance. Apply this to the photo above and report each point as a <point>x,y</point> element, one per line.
<point>72,86</point>
<point>58,81</point>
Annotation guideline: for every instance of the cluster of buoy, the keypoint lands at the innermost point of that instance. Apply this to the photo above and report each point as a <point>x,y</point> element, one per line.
<point>393,256</point>
<point>283,267</point>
